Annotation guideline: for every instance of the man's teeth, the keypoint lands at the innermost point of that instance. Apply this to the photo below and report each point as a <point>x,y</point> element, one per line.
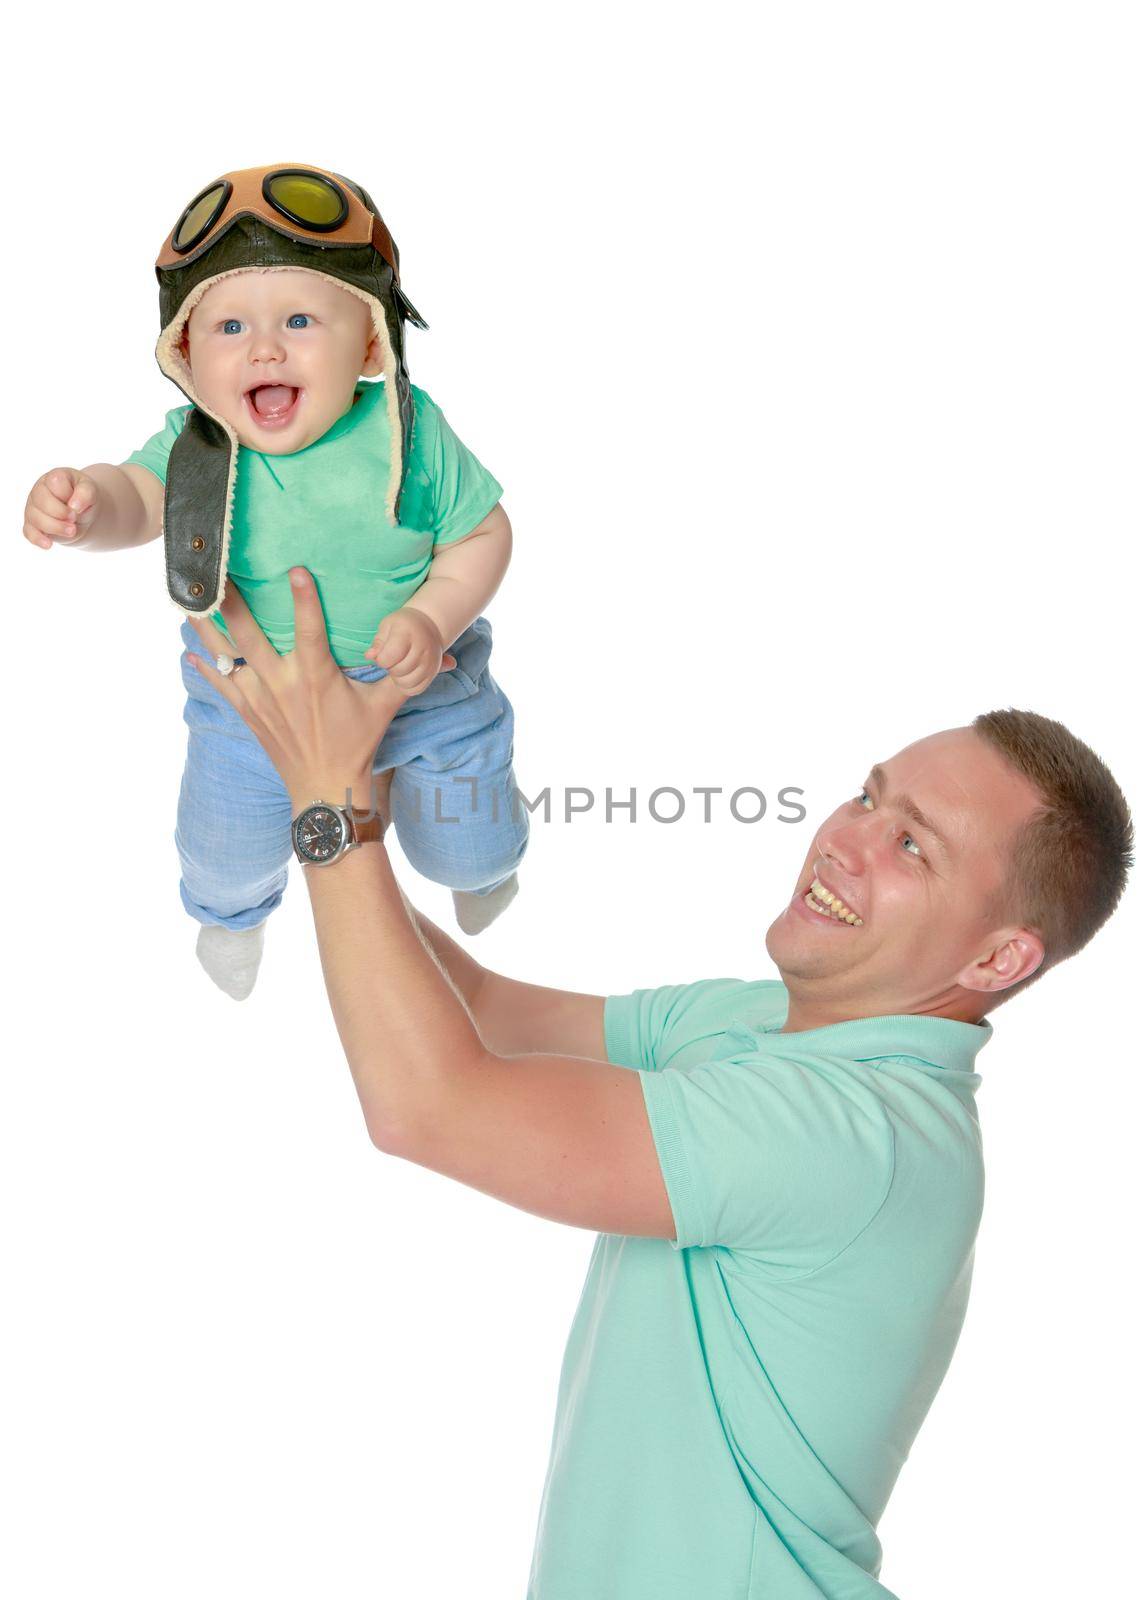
<point>819,899</point>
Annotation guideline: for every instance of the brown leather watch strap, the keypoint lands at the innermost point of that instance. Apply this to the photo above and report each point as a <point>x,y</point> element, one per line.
<point>367,829</point>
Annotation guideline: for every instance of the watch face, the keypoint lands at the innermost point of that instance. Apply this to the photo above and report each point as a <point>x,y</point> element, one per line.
<point>319,833</point>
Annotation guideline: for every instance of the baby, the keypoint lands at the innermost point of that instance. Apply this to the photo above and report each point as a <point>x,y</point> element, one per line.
<point>279,293</point>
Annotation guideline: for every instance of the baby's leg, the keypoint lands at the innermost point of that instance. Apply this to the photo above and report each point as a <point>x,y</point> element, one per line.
<point>233,832</point>
<point>455,808</point>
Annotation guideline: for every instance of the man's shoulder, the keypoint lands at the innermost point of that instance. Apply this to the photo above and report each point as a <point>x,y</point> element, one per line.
<point>762,999</point>
<point>681,1023</point>
<point>755,1002</point>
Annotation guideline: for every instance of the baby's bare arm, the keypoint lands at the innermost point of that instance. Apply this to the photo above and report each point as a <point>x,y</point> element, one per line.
<point>462,579</point>
<point>100,507</point>
<point>131,508</point>
<point>464,576</point>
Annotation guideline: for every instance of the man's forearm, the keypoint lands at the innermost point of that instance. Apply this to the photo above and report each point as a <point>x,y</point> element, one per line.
<point>405,1031</point>
<point>467,976</point>
<point>516,1018</point>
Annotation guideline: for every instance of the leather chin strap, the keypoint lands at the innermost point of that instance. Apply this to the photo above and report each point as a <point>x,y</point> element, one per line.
<point>194,513</point>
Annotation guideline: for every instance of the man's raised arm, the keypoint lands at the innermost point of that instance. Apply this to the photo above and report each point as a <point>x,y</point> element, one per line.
<point>516,1018</point>
<point>563,1135</point>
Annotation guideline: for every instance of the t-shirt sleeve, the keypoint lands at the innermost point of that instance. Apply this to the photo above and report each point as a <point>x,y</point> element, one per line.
<point>788,1159</point>
<point>155,454</point>
<point>464,491</point>
<point>645,1028</point>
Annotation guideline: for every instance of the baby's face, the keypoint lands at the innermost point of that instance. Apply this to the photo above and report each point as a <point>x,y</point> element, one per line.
<point>291,334</point>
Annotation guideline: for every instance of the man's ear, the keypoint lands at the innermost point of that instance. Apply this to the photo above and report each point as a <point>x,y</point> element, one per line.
<point>1015,955</point>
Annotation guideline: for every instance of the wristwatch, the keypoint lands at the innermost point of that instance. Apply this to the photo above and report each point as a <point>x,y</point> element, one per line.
<point>323,833</point>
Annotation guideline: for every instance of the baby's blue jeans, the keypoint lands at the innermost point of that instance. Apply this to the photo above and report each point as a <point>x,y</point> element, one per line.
<point>453,801</point>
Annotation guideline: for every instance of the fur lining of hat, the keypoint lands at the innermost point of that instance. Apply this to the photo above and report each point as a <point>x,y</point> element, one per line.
<point>175,366</point>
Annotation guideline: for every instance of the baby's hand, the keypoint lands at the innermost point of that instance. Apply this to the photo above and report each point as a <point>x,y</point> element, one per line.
<point>61,508</point>
<point>410,645</point>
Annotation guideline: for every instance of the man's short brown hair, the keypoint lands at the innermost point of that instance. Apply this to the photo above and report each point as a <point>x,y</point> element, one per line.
<point>1071,858</point>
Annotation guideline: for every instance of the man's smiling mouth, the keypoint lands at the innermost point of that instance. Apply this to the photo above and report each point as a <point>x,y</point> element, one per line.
<point>820,899</point>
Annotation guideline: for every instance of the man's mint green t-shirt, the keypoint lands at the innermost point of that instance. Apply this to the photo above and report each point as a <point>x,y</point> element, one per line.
<point>735,1404</point>
<point>323,508</point>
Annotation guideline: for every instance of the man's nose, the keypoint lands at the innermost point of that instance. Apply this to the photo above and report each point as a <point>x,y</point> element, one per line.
<point>846,843</point>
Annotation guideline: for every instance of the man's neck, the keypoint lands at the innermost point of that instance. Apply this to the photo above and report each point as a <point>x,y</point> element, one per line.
<point>818,1011</point>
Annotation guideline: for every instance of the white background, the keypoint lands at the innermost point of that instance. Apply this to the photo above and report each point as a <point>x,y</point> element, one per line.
<point>807,343</point>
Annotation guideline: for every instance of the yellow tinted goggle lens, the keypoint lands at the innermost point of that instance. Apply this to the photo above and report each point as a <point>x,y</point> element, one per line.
<point>312,201</point>
<point>200,216</point>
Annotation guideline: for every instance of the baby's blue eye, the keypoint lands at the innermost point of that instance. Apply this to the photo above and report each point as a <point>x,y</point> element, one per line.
<point>299,319</point>
<point>231,324</point>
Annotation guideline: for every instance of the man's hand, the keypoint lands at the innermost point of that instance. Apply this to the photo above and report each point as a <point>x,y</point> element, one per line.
<point>61,507</point>
<point>409,644</point>
<point>559,1136</point>
<point>319,728</point>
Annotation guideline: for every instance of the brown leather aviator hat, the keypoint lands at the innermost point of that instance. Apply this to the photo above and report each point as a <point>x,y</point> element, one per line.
<point>279,216</point>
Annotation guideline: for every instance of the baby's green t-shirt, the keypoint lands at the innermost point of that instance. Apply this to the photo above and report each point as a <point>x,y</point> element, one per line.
<point>323,508</point>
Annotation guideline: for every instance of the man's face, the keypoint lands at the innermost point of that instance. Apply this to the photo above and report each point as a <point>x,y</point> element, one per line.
<point>915,863</point>
<point>277,354</point>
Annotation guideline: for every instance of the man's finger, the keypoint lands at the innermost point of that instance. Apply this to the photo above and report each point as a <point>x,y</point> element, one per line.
<point>249,640</point>
<point>225,686</point>
<point>213,637</point>
<point>388,697</point>
<point>311,637</point>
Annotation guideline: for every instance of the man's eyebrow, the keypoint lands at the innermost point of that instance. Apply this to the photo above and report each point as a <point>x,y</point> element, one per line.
<point>910,807</point>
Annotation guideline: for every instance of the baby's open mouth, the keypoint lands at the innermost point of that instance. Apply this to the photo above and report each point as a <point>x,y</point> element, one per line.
<point>273,404</point>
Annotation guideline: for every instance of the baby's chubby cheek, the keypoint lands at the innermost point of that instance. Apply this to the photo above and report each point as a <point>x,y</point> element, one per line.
<point>216,397</point>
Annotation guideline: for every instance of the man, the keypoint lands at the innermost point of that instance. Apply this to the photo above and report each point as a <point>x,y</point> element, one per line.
<point>786,1177</point>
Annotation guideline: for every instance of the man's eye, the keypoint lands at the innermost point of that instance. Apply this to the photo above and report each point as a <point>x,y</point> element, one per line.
<point>910,844</point>
<point>298,320</point>
<point>865,798</point>
<point>231,325</point>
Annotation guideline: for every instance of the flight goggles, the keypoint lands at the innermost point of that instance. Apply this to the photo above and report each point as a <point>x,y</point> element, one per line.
<point>304,203</point>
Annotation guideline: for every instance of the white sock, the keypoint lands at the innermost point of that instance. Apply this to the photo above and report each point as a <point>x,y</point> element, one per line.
<point>231,956</point>
<point>474,912</point>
